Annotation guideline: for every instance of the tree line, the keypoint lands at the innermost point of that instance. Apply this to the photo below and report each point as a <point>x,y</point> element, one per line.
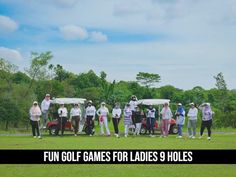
<point>18,89</point>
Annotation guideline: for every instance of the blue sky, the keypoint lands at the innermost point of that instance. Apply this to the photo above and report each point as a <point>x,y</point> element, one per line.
<point>187,42</point>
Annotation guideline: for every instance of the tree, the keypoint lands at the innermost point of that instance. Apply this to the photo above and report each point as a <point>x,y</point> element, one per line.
<point>148,79</point>
<point>220,81</point>
<point>222,91</point>
<point>38,66</point>
<point>6,72</point>
<point>9,112</point>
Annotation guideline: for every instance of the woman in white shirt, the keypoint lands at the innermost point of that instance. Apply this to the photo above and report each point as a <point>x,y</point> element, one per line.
<point>103,112</point>
<point>75,115</point>
<point>192,121</point>
<point>35,114</point>
<point>62,119</point>
<point>116,114</point>
<point>166,115</point>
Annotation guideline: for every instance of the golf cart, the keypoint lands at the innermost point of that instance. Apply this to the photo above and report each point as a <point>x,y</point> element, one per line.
<point>173,129</point>
<point>53,124</point>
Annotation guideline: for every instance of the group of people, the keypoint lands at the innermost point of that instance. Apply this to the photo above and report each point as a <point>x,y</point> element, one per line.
<point>133,118</point>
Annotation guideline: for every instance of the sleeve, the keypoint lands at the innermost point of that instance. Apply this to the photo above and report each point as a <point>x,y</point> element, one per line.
<point>120,112</point>
<point>59,111</point>
<point>171,115</point>
<point>40,112</point>
<point>30,111</point>
<point>42,105</point>
<point>94,112</point>
<point>113,114</point>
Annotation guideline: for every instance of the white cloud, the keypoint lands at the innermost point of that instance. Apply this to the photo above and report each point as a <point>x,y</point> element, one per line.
<point>97,36</point>
<point>7,24</point>
<point>73,32</point>
<point>10,54</point>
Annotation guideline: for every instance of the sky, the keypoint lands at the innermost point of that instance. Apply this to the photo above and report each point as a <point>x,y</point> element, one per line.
<point>186,42</point>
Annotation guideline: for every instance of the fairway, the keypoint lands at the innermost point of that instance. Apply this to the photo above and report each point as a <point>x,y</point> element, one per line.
<point>227,141</point>
<point>221,141</point>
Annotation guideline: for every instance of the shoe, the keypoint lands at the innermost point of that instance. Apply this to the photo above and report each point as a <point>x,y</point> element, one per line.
<point>108,134</point>
<point>90,135</point>
<point>75,134</point>
<point>164,136</point>
<point>179,137</point>
<point>193,137</point>
<point>35,137</point>
<point>126,136</point>
<point>117,136</point>
<point>44,127</point>
<point>200,137</point>
<point>161,136</point>
<point>190,137</point>
<point>209,138</point>
<point>39,137</point>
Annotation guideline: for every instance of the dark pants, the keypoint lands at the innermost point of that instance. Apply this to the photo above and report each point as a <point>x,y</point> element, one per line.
<point>75,123</point>
<point>150,125</point>
<point>61,125</point>
<point>206,124</point>
<point>115,124</point>
<point>35,126</point>
<point>89,121</point>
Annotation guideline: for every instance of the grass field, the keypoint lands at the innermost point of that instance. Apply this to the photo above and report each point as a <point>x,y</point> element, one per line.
<point>219,141</point>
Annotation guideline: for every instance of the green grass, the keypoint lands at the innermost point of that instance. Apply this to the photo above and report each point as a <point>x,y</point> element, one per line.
<point>223,141</point>
<point>117,170</point>
<point>226,141</point>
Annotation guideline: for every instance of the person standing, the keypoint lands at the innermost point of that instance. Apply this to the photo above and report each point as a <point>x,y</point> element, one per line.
<point>192,121</point>
<point>116,115</point>
<point>35,114</point>
<point>133,103</point>
<point>103,113</point>
<point>137,120</point>
<point>166,115</point>
<point>90,113</point>
<point>127,118</point>
<point>151,118</point>
<point>206,119</point>
<point>45,107</point>
<point>180,115</point>
<point>75,115</point>
<point>62,119</point>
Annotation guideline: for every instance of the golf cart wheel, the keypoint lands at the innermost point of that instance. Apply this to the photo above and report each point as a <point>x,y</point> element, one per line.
<point>174,129</point>
<point>143,130</point>
<point>52,130</point>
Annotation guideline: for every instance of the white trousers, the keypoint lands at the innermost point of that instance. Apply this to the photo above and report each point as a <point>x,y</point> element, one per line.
<point>138,128</point>
<point>126,129</point>
<point>104,122</point>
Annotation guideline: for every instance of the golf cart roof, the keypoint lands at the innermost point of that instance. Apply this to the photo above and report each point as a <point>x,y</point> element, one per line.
<point>153,101</point>
<point>68,100</point>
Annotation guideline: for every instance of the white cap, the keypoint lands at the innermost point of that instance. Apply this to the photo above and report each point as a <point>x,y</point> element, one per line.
<point>90,101</point>
<point>35,102</point>
<point>103,103</point>
<point>179,104</point>
<point>47,95</point>
<point>191,104</point>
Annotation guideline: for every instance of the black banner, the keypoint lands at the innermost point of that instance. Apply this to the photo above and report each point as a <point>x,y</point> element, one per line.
<point>117,156</point>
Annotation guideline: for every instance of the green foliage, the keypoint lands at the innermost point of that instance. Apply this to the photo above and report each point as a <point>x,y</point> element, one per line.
<point>9,112</point>
<point>148,79</point>
<point>20,90</point>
